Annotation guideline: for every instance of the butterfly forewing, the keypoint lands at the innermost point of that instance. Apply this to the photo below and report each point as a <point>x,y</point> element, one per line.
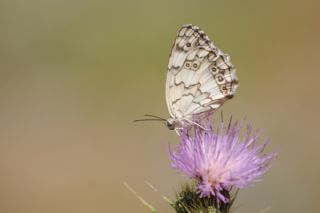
<point>200,77</point>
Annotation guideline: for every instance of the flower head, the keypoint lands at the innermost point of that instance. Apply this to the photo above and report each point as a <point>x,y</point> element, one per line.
<point>220,160</point>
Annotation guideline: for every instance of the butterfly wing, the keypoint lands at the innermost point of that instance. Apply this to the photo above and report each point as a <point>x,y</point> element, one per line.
<point>200,77</point>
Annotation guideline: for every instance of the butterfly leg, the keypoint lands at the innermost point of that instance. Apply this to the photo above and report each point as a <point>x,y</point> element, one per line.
<point>177,130</point>
<point>195,123</point>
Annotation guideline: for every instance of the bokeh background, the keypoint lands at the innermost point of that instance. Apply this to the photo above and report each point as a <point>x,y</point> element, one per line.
<point>74,74</point>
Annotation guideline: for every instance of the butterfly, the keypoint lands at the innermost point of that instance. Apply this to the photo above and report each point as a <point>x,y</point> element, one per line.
<point>200,78</point>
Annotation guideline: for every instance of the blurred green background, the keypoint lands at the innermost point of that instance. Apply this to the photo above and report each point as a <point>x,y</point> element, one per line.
<point>74,74</point>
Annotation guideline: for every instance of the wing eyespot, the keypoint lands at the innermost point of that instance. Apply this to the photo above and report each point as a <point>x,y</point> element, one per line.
<point>187,65</point>
<point>214,69</point>
<point>195,65</point>
<point>224,89</point>
<point>220,79</point>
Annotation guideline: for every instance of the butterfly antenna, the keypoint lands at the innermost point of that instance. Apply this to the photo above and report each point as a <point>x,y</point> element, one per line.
<point>147,119</point>
<point>154,116</point>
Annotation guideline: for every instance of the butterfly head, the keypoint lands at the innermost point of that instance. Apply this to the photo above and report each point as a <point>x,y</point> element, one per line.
<point>171,123</point>
<point>175,123</point>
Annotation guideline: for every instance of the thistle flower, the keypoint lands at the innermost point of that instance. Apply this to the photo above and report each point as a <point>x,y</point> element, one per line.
<point>220,160</point>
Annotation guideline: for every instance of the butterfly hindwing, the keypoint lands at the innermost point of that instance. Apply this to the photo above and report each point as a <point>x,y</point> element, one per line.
<point>200,77</point>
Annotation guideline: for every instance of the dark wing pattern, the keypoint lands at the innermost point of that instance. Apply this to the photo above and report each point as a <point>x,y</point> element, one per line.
<point>200,76</point>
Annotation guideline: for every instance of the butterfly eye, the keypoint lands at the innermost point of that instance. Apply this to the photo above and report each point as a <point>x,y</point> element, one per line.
<point>170,125</point>
<point>188,44</point>
<point>187,64</point>
<point>220,79</point>
<point>214,69</point>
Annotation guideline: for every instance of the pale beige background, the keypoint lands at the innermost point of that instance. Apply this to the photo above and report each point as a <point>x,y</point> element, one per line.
<point>74,74</point>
